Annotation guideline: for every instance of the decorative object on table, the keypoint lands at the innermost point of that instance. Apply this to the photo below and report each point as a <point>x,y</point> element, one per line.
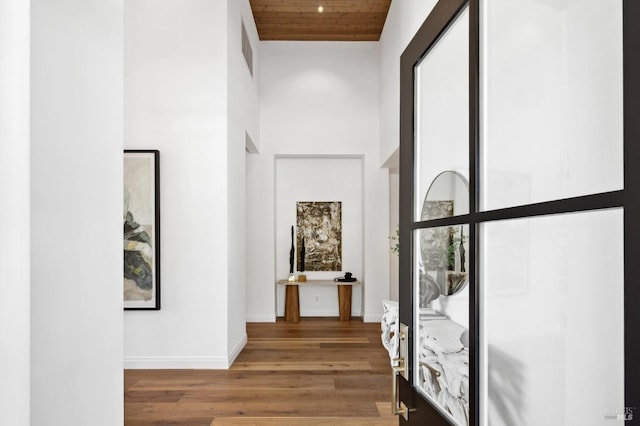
<point>141,217</point>
<point>292,256</point>
<point>320,228</point>
<point>348,278</point>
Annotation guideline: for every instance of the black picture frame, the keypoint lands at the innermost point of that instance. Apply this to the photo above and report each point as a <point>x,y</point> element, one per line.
<point>141,229</point>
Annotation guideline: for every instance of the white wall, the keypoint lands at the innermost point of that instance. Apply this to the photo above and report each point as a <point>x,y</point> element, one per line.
<point>320,179</point>
<point>14,214</point>
<point>394,221</point>
<point>176,101</point>
<point>76,216</point>
<point>188,93</point>
<point>403,20</point>
<point>442,95</point>
<point>242,95</point>
<point>316,99</point>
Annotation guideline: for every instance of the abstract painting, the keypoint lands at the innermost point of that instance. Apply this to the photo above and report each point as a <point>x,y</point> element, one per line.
<point>141,218</point>
<point>319,235</point>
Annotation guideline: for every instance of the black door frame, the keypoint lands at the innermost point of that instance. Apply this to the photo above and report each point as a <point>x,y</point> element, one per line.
<point>443,14</point>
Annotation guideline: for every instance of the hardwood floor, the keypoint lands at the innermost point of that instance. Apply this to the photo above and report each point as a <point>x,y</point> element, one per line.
<point>319,371</point>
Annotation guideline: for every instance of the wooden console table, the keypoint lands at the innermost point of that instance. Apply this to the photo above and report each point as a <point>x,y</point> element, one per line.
<point>292,298</point>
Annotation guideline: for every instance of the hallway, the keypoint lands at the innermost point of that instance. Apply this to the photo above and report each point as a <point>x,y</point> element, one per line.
<point>317,372</point>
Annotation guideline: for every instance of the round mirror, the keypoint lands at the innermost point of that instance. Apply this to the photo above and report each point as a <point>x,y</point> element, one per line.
<point>448,195</point>
<point>444,264</point>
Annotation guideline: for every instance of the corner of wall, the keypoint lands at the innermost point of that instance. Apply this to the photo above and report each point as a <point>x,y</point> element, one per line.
<point>237,348</point>
<point>242,132</point>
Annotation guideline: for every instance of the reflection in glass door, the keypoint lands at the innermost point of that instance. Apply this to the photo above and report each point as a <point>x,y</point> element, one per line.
<point>441,257</point>
<point>442,326</point>
<point>520,194</point>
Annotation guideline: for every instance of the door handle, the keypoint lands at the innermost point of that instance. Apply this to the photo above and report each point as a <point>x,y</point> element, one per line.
<point>398,408</point>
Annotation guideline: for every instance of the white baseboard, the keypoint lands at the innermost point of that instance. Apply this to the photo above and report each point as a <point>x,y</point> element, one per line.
<point>237,349</point>
<point>372,317</point>
<point>176,362</point>
<point>261,318</point>
<point>185,362</point>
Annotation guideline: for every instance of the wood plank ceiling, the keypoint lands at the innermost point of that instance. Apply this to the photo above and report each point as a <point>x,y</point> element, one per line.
<point>320,20</point>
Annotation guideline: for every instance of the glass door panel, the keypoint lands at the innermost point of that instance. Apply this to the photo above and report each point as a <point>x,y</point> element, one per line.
<point>441,279</point>
<point>551,108</point>
<point>553,319</point>
<point>525,325</point>
<point>442,118</point>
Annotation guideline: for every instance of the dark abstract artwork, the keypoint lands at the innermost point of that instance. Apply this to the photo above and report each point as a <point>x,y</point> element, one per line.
<point>319,234</point>
<point>141,230</point>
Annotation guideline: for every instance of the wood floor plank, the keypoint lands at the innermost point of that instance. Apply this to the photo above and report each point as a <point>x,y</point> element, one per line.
<point>316,372</point>
<point>300,343</point>
<point>316,408</point>
<point>235,383</point>
<point>303,366</point>
<point>239,396</point>
<point>328,354</point>
<point>154,396</point>
<point>305,421</point>
<point>185,421</point>
<point>313,339</point>
<point>283,345</point>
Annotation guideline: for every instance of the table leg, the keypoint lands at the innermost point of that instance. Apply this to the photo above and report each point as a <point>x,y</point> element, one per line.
<point>344,302</point>
<point>292,304</point>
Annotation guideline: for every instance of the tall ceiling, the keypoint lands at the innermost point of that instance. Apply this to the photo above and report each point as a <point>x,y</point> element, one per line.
<point>322,20</point>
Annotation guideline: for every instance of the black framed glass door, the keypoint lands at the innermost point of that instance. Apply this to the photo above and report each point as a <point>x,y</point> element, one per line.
<point>518,211</point>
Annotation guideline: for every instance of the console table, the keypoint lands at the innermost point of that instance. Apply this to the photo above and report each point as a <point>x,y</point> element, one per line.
<point>292,298</point>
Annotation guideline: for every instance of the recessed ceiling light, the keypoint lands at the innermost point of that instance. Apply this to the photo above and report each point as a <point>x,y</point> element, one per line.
<point>320,9</point>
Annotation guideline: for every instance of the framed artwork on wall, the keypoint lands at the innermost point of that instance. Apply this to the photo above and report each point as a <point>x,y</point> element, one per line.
<point>141,218</point>
<point>319,235</point>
